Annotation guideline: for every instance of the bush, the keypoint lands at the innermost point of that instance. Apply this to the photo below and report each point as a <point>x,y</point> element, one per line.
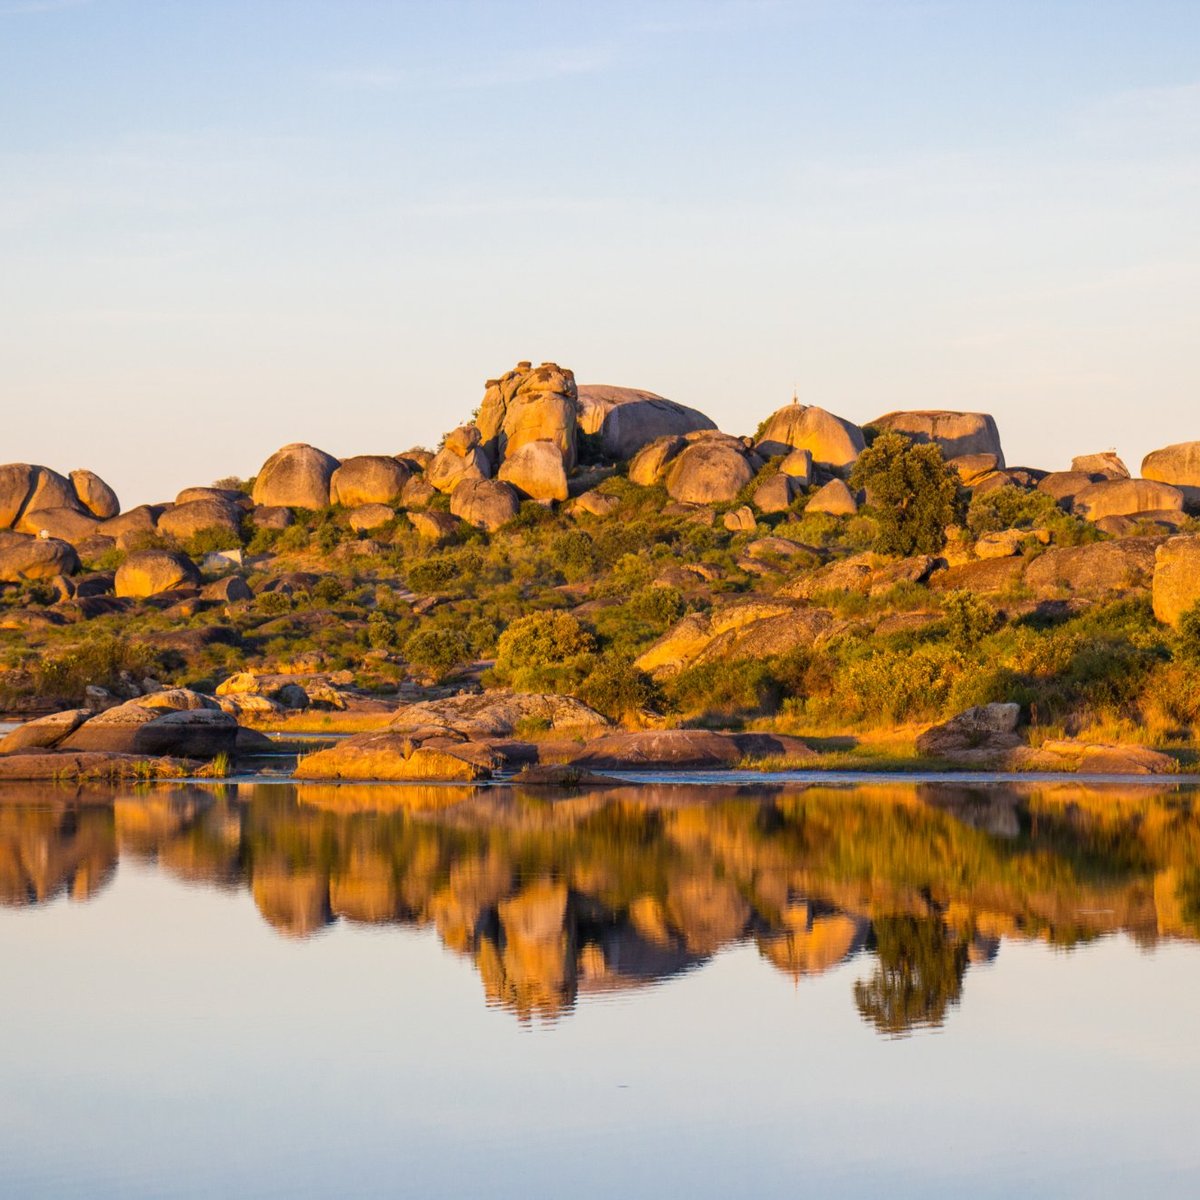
<point>438,649</point>
<point>659,604</point>
<point>574,555</point>
<point>101,661</point>
<point>1188,641</point>
<point>381,632</point>
<point>617,688</point>
<point>543,651</point>
<point>913,493</point>
<point>273,604</point>
<point>968,619</point>
<point>328,590</point>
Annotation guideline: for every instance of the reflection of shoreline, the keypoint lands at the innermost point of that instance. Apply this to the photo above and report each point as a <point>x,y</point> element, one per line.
<point>618,888</point>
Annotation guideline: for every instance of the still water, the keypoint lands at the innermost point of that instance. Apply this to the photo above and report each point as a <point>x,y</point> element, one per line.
<point>655,990</point>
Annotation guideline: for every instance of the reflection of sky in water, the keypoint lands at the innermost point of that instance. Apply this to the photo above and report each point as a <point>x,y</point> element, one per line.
<point>161,1039</point>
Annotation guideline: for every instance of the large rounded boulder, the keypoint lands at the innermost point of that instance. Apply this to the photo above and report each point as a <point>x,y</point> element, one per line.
<point>297,476</point>
<point>461,459</point>
<point>1126,498</point>
<point>536,470</point>
<point>1178,465</point>
<point>51,490</point>
<point>530,404</point>
<point>185,521</point>
<point>95,495</point>
<point>149,572</point>
<point>66,524</point>
<point>626,419</point>
<point>711,470</point>
<point>485,503</point>
<point>23,558</point>
<point>832,441</point>
<point>957,433</point>
<point>650,462</point>
<point>368,479</point>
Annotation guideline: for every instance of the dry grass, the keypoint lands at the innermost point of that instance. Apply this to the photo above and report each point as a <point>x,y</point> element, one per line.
<point>319,721</point>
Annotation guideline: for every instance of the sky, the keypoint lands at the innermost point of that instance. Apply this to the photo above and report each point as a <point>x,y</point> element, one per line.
<point>229,226</point>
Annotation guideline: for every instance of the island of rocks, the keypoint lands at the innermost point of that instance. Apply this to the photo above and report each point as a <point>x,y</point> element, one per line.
<point>591,579</point>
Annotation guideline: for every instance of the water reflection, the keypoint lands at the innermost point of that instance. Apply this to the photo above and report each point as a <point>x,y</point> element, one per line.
<point>596,891</point>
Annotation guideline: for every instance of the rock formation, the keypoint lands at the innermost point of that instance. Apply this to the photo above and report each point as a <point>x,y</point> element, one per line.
<point>957,433</point>
<point>832,441</point>
<point>297,476</point>
<point>627,419</point>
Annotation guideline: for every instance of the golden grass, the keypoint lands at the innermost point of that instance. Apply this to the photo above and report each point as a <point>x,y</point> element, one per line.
<point>313,721</point>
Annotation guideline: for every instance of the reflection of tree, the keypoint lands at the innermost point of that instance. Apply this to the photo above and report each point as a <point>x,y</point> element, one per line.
<point>920,974</point>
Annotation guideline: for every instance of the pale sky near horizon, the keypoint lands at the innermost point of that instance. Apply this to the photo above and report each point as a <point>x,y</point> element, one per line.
<point>229,225</point>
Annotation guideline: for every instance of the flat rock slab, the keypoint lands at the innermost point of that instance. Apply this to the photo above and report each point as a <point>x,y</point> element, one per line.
<point>45,766</point>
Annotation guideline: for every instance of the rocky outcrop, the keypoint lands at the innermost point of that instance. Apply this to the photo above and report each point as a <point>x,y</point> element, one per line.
<point>50,490</point>
<point>974,469</point>
<point>16,481</point>
<point>868,574</point>
<point>28,558</point>
<point>683,750</point>
<point>957,433</point>
<point>499,714</point>
<point>133,526</point>
<point>711,470</point>
<point>1093,570</point>
<point>983,737</point>
<point>391,756</point>
<point>417,493</point>
<point>368,479</point>
<point>1064,486</point>
<point>753,629</point>
<point>1176,587</point>
<point>149,572</point>
<point>95,495</point>
<point>1126,498</point>
<point>536,470</point>
<point>1096,758</point>
<point>138,728</point>
<point>297,476</point>
<point>45,733</point>
<point>835,499</point>
<point>530,404</point>
<point>185,521</point>
<point>832,441</point>
<point>627,419</point>
<point>485,503</point>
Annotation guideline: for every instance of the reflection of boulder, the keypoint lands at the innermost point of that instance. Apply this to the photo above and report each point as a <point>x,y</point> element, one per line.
<point>144,823</point>
<point>45,852</point>
<point>532,966</point>
<point>708,913</point>
<point>475,885</point>
<point>810,944</point>
<point>365,890</point>
<point>296,903</point>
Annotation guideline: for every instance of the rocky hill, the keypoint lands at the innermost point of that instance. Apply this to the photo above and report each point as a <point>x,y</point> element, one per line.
<point>612,545</point>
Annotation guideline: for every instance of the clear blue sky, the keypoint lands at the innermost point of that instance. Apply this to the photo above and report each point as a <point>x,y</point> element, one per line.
<point>226,226</point>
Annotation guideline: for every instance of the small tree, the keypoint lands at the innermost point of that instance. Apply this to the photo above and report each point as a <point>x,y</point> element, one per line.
<point>543,651</point>
<point>914,493</point>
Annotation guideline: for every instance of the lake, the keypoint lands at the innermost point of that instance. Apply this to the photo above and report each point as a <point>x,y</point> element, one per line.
<point>752,988</point>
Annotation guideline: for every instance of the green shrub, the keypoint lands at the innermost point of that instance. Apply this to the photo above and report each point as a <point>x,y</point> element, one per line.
<point>617,688</point>
<point>968,619</point>
<point>438,649</point>
<point>273,604</point>
<point>574,555</point>
<point>659,604</point>
<point>913,493</point>
<point>543,651</point>
<point>381,632</point>
<point>328,590</point>
<point>1188,640</point>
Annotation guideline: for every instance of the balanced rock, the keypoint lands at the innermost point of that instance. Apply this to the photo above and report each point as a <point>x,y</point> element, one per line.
<point>711,470</point>
<point>628,419</point>
<point>1176,586</point>
<point>835,499</point>
<point>50,490</point>
<point>95,495</point>
<point>149,572</point>
<point>368,479</point>
<point>957,433</point>
<point>1125,498</point>
<point>24,558</point>
<point>1106,464</point>
<point>536,469</point>
<point>530,404</point>
<point>296,476</point>
<point>185,521</point>
<point>485,503</point>
<point>832,441</point>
